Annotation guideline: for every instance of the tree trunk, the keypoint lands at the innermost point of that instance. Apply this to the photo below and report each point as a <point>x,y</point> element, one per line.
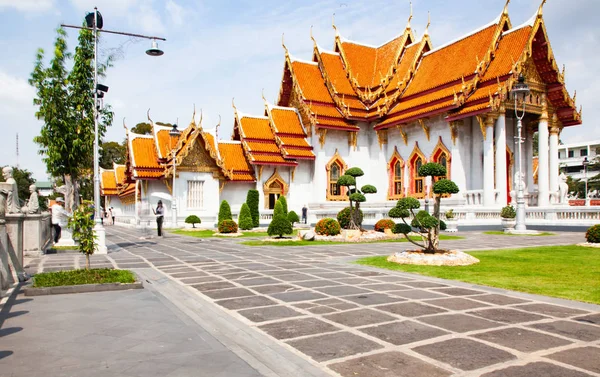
<point>71,192</point>
<point>436,214</point>
<point>87,261</point>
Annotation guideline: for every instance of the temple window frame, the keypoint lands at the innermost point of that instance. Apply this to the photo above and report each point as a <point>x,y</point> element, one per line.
<point>338,162</point>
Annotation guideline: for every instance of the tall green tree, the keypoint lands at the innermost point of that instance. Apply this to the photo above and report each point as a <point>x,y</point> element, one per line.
<point>142,128</point>
<point>65,103</point>
<point>112,152</point>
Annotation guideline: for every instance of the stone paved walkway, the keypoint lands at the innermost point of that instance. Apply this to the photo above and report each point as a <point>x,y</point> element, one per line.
<point>351,320</point>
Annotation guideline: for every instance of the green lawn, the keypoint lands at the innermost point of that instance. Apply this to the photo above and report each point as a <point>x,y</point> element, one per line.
<point>207,233</point>
<point>78,277</point>
<point>501,233</point>
<point>317,243</point>
<point>570,272</point>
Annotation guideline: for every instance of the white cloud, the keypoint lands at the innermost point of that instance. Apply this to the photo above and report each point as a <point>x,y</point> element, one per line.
<point>175,11</point>
<point>148,19</point>
<point>116,7</point>
<point>27,5</point>
<point>15,93</point>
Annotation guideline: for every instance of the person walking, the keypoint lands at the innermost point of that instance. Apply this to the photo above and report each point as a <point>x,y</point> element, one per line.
<point>160,215</point>
<point>59,217</point>
<point>304,213</point>
<point>111,212</point>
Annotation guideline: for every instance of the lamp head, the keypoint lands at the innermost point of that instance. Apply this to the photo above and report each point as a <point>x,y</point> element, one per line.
<point>174,131</point>
<point>102,88</point>
<point>89,20</point>
<point>154,50</point>
<point>521,89</point>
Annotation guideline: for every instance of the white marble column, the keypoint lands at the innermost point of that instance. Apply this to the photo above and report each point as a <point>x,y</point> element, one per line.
<point>553,158</point>
<point>528,157</point>
<point>488,163</point>
<point>543,167</point>
<point>501,158</point>
<point>457,168</point>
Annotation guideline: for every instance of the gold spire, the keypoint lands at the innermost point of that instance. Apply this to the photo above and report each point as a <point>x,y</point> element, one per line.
<point>409,17</point>
<point>125,127</point>
<point>428,23</point>
<point>148,115</point>
<point>333,25</point>
<point>311,36</point>
<point>217,133</point>
<point>263,96</point>
<point>201,116</point>
<point>233,105</point>
<point>505,10</point>
<point>194,117</point>
<point>539,12</point>
<point>287,53</point>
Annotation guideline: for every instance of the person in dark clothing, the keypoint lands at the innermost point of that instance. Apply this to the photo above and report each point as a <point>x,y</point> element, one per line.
<point>160,214</point>
<point>304,213</point>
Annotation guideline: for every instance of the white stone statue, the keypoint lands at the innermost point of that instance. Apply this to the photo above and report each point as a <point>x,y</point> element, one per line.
<point>522,181</point>
<point>563,189</point>
<point>33,204</point>
<point>12,193</point>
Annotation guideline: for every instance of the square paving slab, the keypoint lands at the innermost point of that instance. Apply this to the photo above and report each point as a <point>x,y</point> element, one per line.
<point>246,302</point>
<point>268,289</point>
<point>539,369</point>
<point>458,291</point>
<point>416,294</point>
<point>257,281</point>
<point>212,286</point>
<point>465,354</point>
<point>333,346</point>
<point>498,299</point>
<point>372,299</point>
<point>551,310</point>
<point>296,296</point>
<point>411,309</point>
<point>460,322</point>
<point>297,327</point>
<point>592,319</point>
<point>269,313</point>
<point>359,317</point>
<point>403,332</point>
<point>388,364</point>
<point>342,290</point>
<point>574,330</point>
<point>522,340</point>
<point>456,303</point>
<point>423,284</point>
<point>585,357</point>
<point>508,315</point>
<point>228,293</point>
<point>317,283</point>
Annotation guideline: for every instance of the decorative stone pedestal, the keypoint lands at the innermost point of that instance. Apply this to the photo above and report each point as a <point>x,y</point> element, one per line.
<point>100,239</point>
<point>6,278</point>
<point>14,231</point>
<point>66,238</point>
<point>37,234</point>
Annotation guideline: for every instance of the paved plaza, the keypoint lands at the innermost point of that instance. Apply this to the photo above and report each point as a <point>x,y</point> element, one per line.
<point>307,311</point>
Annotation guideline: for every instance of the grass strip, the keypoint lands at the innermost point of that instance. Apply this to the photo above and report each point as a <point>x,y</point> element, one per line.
<point>79,277</point>
<point>501,233</point>
<point>570,272</point>
<point>319,243</point>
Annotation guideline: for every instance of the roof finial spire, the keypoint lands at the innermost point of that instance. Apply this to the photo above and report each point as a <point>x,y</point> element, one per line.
<point>287,53</point>
<point>233,104</point>
<point>428,23</point>
<point>194,116</point>
<point>217,131</point>
<point>409,17</point>
<point>505,10</point>
<point>201,116</point>
<point>263,96</point>
<point>312,36</point>
<point>539,12</point>
<point>125,127</point>
<point>333,24</point>
<point>148,115</point>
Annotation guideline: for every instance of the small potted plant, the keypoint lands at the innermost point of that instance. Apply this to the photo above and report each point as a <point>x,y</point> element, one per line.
<point>451,221</point>
<point>508,215</point>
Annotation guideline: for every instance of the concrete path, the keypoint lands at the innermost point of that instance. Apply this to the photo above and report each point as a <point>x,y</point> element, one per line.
<point>116,334</point>
<point>304,311</point>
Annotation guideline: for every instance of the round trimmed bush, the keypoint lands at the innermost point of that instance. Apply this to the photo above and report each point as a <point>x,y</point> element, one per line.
<point>508,212</point>
<point>383,224</point>
<point>401,228</point>
<point>228,226</point>
<point>192,219</point>
<point>593,234</point>
<point>327,227</point>
<point>293,217</point>
<point>343,217</point>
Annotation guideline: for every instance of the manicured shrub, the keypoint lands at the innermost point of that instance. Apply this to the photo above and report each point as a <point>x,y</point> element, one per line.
<point>443,225</point>
<point>192,219</point>
<point>245,218</point>
<point>283,204</point>
<point>279,224</point>
<point>252,201</point>
<point>383,224</point>
<point>224,212</point>
<point>293,218</point>
<point>402,228</point>
<point>343,217</point>
<point>593,234</point>
<point>327,227</point>
<point>228,226</point>
<point>508,212</point>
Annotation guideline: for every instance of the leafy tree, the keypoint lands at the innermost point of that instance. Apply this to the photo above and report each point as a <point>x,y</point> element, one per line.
<point>279,224</point>
<point>355,195</point>
<point>142,129</point>
<point>245,218</point>
<point>252,201</point>
<point>112,152</point>
<point>427,225</point>
<point>224,212</point>
<point>193,219</point>
<point>82,225</point>
<point>293,218</point>
<point>66,105</point>
<point>283,201</point>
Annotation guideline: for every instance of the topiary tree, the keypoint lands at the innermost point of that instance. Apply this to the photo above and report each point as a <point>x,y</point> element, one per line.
<point>355,195</point>
<point>279,224</point>
<point>293,218</point>
<point>224,212</point>
<point>192,219</point>
<point>252,201</point>
<point>427,225</point>
<point>343,217</point>
<point>283,201</point>
<point>245,218</point>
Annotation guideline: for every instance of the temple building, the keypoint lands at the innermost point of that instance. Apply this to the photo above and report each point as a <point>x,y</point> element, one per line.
<point>387,109</point>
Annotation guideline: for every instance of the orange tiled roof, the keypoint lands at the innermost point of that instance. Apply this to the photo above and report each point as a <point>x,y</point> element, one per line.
<point>233,158</point>
<point>164,141</point>
<point>120,173</point>
<point>311,82</point>
<point>145,157</point>
<point>290,134</point>
<point>108,182</point>
<point>509,51</point>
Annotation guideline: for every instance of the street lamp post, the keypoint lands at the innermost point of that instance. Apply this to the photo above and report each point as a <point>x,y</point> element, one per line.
<point>520,89</point>
<point>94,23</point>
<point>174,133</point>
<point>586,162</point>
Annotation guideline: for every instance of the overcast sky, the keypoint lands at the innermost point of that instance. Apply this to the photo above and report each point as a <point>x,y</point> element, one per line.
<point>216,50</point>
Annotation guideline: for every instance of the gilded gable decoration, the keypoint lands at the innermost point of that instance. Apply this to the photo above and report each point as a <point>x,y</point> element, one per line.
<point>382,138</point>
<point>425,128</point>
<point>403,134</point>
<point>454,125</point>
